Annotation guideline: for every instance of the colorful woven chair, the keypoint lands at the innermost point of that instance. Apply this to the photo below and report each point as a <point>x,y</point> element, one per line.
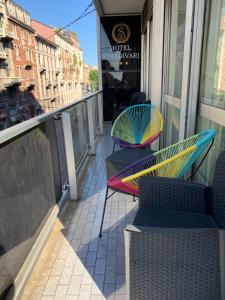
<point>137,126</point>
<point>173,161</point>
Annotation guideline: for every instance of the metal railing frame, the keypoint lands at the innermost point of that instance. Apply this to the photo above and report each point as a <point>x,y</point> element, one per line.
<point>9,134</point>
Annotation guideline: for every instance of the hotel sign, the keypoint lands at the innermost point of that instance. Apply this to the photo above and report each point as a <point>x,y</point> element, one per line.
<point>121,33</point>
<point>121,60</point>
<point>123,40</point>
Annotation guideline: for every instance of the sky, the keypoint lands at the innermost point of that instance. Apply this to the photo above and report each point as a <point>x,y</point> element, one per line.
<point>60,13</point>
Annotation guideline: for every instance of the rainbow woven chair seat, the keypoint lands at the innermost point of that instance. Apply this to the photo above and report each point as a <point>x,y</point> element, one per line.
<point>137,126</point>
<point>173,161</point>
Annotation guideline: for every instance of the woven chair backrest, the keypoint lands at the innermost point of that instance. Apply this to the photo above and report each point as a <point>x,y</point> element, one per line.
<point>137,126</point>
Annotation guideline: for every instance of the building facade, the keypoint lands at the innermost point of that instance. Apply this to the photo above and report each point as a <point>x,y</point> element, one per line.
<point>48,66</point>
<point>24,62</point>
<point>41,67</point>
<point>78,74</point>
<point>86,81</point>
<point>8,81</point>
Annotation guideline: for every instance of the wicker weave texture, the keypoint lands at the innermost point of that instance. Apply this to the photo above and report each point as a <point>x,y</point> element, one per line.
<point>174,266</point>
<point>174,194</point>
<point>219,191</point>
<point>172,219</point>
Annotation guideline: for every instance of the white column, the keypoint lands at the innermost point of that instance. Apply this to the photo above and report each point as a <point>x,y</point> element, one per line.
<point>157,52</point>
<point>147,62</point>
<point>157,57</point>
<point>100,112</point>
<point>91,126</point>
<point>99,53</point>
<point>70,159</point>
<point>142,62</point>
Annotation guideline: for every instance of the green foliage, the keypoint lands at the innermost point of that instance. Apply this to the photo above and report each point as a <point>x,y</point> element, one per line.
<point>93,77</point>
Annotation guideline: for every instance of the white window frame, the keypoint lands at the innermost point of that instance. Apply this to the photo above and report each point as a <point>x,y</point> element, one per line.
<point>182,102</point>
<point>209,112</point>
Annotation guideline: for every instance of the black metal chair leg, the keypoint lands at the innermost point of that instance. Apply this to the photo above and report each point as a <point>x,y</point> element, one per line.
<point>103,213</point>
<point>134,199</point>
<point>114,145</point>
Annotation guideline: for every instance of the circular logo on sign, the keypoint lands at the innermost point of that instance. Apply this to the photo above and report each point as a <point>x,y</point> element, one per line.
<point>121,33</point>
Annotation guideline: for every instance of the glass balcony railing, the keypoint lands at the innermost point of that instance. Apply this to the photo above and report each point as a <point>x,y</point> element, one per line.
<point>39,162</point>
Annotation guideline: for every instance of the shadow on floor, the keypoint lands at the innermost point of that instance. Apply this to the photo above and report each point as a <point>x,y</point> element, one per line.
<point>75,263</point>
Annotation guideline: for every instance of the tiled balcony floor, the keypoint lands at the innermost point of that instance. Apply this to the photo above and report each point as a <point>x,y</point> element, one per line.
<point>75,263</point>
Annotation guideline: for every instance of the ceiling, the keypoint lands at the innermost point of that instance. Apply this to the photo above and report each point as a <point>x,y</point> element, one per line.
<point>118,7</point>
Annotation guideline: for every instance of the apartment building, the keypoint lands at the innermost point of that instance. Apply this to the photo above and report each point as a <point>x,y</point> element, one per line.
<point>8,81</point>
<point>78,74</point>
<point>86,81</point>
<point>41,68</point>
<point>24,62</point>
<point>48,72</point>
<point>66,65</point>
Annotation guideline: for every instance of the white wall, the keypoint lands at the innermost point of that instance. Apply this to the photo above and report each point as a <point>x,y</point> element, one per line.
<point>157,52</point>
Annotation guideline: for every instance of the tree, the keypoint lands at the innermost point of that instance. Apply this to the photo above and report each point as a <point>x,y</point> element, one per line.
<point>93,77</point>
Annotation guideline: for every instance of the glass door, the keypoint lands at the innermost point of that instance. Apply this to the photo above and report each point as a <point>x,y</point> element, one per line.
<point>211,96</point>
<point>178,22</point>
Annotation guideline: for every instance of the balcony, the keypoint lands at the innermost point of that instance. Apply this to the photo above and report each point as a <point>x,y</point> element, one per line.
<point>43,176</point>
<point>57,71</point>
<point>48,83</point>
<point>54,81</point>
<point>28,66</point>
<point>3,55</point>
<point>6,34</point>
<point>11,82</point>
<point>31,83</point>
<point>42,68</point>
<point>2,9</point>
<point>88,266</point>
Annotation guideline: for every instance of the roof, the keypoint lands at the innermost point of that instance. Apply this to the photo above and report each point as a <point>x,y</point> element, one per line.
<point>44,31</point>
<point>118,7</point>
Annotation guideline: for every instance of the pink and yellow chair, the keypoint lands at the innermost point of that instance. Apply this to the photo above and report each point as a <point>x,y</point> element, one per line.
<point>173,161</point>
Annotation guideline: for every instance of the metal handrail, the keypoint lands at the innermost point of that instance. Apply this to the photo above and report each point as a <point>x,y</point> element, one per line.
<point>10,133</point>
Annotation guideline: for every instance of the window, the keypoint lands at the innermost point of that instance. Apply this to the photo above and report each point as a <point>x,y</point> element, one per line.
<point>15,30</point>
<point>40,46</point>
<point>29,39</point>
<point>27,53</point>
<point>213,68</point>
<point>17,49</point>
<point>27,74</point>
<point>172,124</point>
<point>211,110</point>
<point>19,71</point>
<point>205,174</point>
<point>176,47</point>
